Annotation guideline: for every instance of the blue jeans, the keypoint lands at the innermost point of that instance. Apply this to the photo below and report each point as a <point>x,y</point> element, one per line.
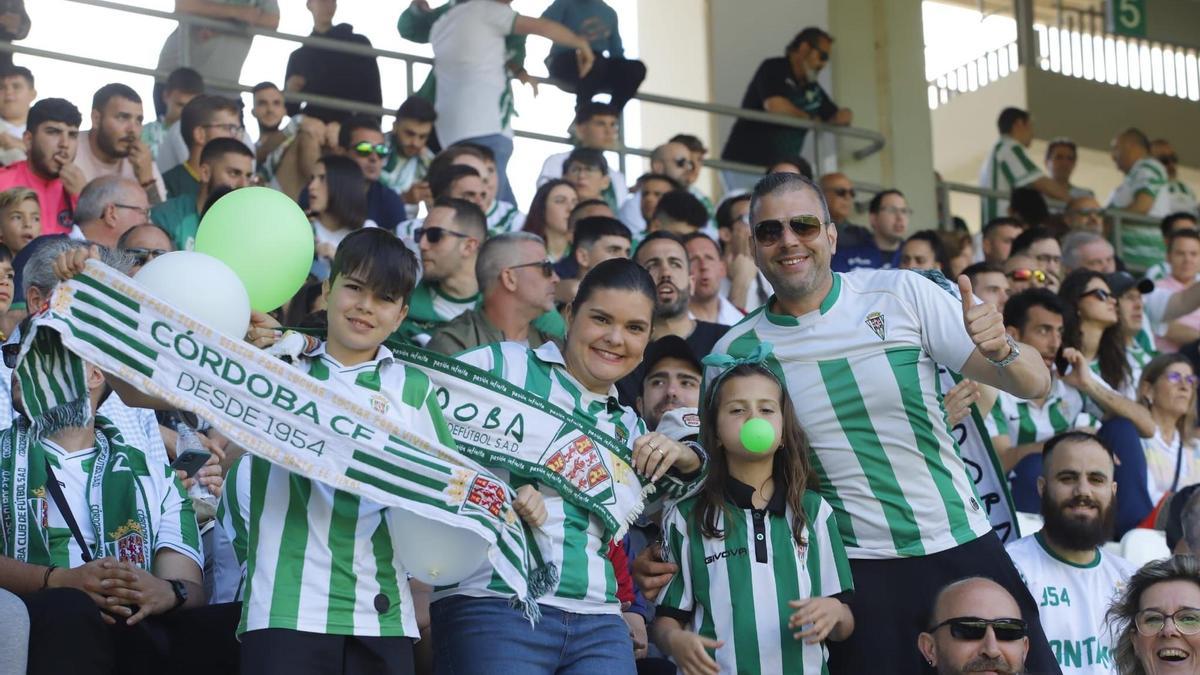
<point>502,147</point>
<point>486,636</point>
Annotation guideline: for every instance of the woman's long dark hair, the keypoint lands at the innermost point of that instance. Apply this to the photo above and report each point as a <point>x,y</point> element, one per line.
<point>790,467</point>
<point>1114,368</point>
<point>347,190</point>
<point>535,222</point>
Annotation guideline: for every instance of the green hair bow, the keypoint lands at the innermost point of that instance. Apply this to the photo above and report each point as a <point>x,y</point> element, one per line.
<point>727,362</point>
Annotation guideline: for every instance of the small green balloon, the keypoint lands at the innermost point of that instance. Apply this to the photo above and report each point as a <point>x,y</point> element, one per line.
<point>757,435</point>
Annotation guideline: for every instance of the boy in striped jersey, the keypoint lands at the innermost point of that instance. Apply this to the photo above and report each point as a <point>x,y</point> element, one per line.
<point>858,354</point>
<point>754,545</point>
<point>324,590</point>
<point>581,631</point>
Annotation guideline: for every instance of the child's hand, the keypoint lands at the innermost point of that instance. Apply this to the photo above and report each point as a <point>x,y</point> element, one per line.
<point>689,651</point>
<point>530,505</point>
<point>824,615</point>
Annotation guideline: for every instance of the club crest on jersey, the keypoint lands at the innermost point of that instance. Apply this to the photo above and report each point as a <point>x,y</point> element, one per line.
<point>875,322</point>
<point>579,462</point>
<point>39,507</point>
<point>380,403</point>
<point>487,494</point>
<point>128,544</point>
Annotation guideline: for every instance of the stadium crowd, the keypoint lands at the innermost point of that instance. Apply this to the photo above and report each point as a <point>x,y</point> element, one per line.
<point>851,418</point>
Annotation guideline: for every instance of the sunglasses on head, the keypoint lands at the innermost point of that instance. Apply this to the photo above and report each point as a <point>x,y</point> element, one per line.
<point>769,232</point>
<point>1101,294</point>
<point>435,234</point>
<point>974,628</point>
<point>546,266</point>
<point>144,255</point>
<point>1037,276</point>
<point>1150,621</point>
<point>365,148</point>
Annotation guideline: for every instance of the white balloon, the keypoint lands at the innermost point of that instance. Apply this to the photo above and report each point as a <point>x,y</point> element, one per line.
<point>200,286</point>
<point>435,553</point>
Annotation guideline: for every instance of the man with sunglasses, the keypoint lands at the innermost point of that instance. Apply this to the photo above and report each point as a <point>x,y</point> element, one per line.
<point>784,85</point>
<point>518,283</point>
<point>975,627</point>
<point>1182,196</point>
<point>859,352</point>
<point>108,208</point>
<point>322,71</point>
<point>1070,575</point>
<point>203,119</point>
<point>840,195</point>
<point>448,242</point>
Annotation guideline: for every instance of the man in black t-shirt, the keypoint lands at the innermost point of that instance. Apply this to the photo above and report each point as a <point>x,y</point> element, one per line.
<point>665,257</point>
<point>785,85</point>
<point>322,71</point>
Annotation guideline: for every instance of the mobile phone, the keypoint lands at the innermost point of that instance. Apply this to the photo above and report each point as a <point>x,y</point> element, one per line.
<point>191,460</point>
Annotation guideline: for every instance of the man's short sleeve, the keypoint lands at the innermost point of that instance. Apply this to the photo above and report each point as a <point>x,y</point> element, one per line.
<point>1024,172</point>
<point>833,564</point>
<point>828,108</point>
<point>176,528</point>
<point>1144,179</point>
<point>939,310</point>
<point>771,79</point>
<point>500,17</point>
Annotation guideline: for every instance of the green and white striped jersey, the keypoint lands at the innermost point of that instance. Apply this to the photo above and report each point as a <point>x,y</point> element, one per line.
<point>571,538</point>
<point>1024,421</point>
<point>313,558</point>
<point>1007,167</point>
<point>1072,600</point>
<point>1182,197</point>
<point>428,309</point>
<point>503,218</point>
<point>170,518</point>
<point>737,589</point>
<point>862,372</point>
<point>1149,176</point>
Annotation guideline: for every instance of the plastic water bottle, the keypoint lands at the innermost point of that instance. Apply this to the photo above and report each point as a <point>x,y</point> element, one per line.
<point>190,440</point>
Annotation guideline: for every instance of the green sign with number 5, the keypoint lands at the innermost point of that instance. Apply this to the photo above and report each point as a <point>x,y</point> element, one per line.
<point>1127,17</point>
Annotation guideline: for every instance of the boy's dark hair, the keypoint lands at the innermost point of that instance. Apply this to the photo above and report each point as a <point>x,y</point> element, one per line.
<point>441,180</point>
<point>52,110</point>
<point>1009,117</point>
<point>1016,308</point>
<point>467,215</point>
<point>681,206</point>
<point>219,147</point>
<point>620,274</point>
<point>1168,222</point>
<point>6,254</point>
<point>263,86</point>
<point>187,80</point>
<point>589,230</point>
<point>378,259</point>
<point>199,111</point>
<point>417,109</point>
<point>1030,237</point>
<point>587,157</point>
<point>17,71</point>
<point>591,109</point>
<point>876,202</point>
<point>113,90</point>
<point>354,123</point>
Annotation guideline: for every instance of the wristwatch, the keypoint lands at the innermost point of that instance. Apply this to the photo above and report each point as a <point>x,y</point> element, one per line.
<point>1014,352</point>
<point>181,593</point>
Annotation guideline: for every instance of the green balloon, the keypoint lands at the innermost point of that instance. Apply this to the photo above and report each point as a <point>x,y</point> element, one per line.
<point>757,435</point>
<point>265,238</point>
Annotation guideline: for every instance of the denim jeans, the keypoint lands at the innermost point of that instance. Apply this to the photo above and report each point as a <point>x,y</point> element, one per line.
<point>502,147</point>
<point>485,636</point>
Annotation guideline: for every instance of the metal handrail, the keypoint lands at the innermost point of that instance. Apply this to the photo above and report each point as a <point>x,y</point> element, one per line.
<point>876,140</point>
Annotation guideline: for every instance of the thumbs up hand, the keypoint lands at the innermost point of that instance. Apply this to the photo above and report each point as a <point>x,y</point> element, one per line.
<point>984,323</point>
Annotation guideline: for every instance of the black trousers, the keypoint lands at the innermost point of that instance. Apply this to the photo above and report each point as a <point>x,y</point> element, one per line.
<point>619,77</point>
<point>274,651</point>
<point>893,600</point>
<point>67,635</point>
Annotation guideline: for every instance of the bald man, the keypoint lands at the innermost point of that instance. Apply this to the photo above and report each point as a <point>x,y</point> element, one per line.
<point>1144,188</point>
<point>976,626</point>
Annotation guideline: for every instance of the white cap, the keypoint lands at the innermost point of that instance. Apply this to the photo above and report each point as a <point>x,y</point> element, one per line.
<point>680,424</point>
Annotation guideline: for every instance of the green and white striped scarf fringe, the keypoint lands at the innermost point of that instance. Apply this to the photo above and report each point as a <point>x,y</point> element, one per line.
<point>274,411</point>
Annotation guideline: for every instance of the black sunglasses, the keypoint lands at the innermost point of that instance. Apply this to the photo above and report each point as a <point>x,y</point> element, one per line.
<point>844,192</point>
<point>974,628</point>
<point>435,234</point>
<point>682,162</point>
<point>769,232</point>
<point>365,148</point>
<point>1100,294</point>
<point>546,265</point>
<point>144,255</point>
